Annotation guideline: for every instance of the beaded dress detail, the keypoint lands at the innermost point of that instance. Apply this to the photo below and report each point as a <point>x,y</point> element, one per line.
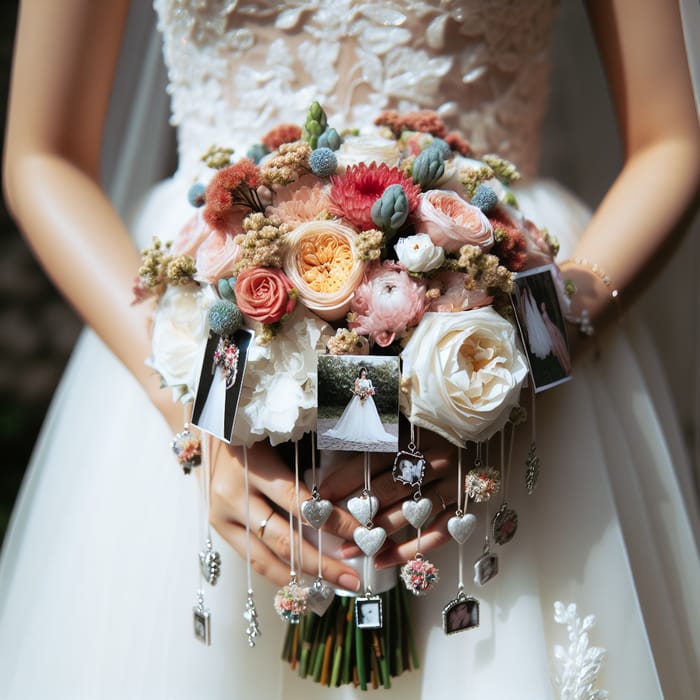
<point>236,69</point>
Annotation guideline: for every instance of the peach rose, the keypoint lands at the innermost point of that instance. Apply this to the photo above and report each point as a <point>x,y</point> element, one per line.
<point>216,257</point>
<point>322,264</point>
<point>451,222</point>
<point>191,236</point>
<point>264,294</point>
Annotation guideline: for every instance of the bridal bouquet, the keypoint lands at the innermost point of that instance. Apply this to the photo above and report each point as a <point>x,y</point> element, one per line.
<point>397,239</point>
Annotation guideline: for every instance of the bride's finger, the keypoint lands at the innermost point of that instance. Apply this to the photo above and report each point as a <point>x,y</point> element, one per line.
<point>431,538</point>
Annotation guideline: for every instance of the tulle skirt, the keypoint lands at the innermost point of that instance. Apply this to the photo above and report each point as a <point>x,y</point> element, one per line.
<point>99,572</point>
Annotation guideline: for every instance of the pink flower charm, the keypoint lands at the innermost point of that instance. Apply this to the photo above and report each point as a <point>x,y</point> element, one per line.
<point>419,575</point>
<point>387,303</point>
<point>291,602</point>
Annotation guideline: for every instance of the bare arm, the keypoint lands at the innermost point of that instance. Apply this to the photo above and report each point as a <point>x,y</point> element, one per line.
<point>65,57</point>
<point>632,231</point>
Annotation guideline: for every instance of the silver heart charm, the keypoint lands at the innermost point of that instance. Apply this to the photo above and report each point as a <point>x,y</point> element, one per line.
<point>320,597</point>
<point>461,527</point>
<point>363,508</point>
<point>369,540</point>
<point>417,512</point>
<point>316,512</point>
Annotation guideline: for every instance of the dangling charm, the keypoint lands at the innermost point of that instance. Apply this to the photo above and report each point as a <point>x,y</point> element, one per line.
<point>188,449</point>
<point>532,472</point>
<point>419,575</point>
<point>363,508</point>
<point>291,602</point>
<point>409,466</point>
<point>460,614</point>
<point>320,597</point>
<point>482,482</point>
<point>504,524</point>
<point>486,566</point>
<point>251,615</point>
<point>368,612</point>
<point>210,563</point>
<point>461,526</point>
<point>316,510</point>
<point>202,620</point>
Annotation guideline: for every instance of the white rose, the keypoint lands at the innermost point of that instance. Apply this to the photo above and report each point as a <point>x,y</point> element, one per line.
<point>418,253</point>
<point>462,374</point>
<point>278,396</point>
<point>180,331</point>
<point>365,149</point>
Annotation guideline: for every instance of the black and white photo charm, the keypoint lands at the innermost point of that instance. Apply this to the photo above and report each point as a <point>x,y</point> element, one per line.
<point>220,382</point>
<point>202,621</point>
<point>368,613</point>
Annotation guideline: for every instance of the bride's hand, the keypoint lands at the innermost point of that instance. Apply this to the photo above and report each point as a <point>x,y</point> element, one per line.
<point>272,497</point>
<point>439,485</point>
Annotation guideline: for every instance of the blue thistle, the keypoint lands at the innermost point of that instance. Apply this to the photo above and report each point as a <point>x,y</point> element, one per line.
<point>225,318</point>
<point>390,211</point>
<point>484,198</point>
<point>330,138</point>
<point>195,195</point>
<point>257,152</point>
<point>428,167</point>
<point>323,162</point>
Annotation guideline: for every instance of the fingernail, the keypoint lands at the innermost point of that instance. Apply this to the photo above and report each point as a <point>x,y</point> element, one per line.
<point>349,551</point>
<point>349,581</point>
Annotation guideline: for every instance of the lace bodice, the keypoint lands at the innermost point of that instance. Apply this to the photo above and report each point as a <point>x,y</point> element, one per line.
<point>237,68</point>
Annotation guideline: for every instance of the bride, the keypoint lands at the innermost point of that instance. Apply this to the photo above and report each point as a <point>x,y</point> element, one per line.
<point>360,421</point>
<point>99,573</point>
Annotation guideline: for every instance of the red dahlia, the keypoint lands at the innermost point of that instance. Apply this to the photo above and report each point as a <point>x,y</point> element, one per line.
<point>353,193</point>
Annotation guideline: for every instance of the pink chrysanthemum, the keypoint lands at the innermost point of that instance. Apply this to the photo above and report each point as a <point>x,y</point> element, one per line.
<point>353,193</point>
<point>284,133</point>
<point>304,204</point>
<point>387,303</point>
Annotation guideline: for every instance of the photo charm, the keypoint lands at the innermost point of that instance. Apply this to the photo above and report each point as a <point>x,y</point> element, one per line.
<point>220,382</point>
<point>460,614</point>
<point>358,403</point>
<point>542,328</point>
<point>485,568</point>
<point>202,620</point>
<point>368,613</point>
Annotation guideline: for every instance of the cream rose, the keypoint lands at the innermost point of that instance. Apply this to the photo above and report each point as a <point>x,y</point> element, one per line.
<point>462,373</point>
<point>452,222</point>
<point>180,332</point>
<point>366,149</point>
<point>418,253</point>
<point>322,263</point>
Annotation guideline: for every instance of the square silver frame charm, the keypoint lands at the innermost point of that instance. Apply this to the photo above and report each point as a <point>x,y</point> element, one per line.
<point>202,624</point>
<point>485,568</point>
<point>368,613</point>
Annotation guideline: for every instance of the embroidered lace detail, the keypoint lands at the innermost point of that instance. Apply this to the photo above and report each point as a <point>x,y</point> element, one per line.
<point>577,665</point>
<point>238,68</point>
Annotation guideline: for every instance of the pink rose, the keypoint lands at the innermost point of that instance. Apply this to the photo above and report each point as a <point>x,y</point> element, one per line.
<point>451,222</point>
<point>216,257</point>
<point>387,303</point>
<point>263,294</point>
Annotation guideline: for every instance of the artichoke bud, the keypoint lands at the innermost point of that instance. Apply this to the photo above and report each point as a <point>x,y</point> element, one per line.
<point>390,211</point>
<point>428,167</point>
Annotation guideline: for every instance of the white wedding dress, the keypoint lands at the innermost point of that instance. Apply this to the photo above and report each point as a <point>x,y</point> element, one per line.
<point>99,571</point>
<point>360,421</point>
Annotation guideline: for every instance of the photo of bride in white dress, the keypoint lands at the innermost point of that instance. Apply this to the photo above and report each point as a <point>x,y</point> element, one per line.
<point>360,423</point>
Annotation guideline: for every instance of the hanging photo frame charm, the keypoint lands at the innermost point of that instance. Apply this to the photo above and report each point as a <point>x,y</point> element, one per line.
<point>504,524</point>
<point>368,612</point>
<point>486,566</point>
<point>460,614</point>
<point>202,620</point>
<point>210,563</point>
<point>532,468</point>
<point>409,466</point>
